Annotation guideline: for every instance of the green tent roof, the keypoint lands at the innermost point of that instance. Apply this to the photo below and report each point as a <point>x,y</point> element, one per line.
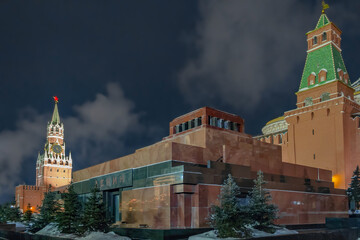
<point>323,20</point>
<point>327,57</point>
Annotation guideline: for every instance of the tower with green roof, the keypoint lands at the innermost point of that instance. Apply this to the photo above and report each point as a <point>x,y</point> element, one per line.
<point>324,64</point>
<point>323,131</point>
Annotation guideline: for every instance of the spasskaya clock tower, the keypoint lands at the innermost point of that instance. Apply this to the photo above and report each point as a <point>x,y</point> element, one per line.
<point>53,167</point>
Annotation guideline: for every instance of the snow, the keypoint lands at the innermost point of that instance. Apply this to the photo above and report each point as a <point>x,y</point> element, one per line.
<point>255,234</point>
<point>103,236</point>
<point>18,224</point>
<point>52,230</point>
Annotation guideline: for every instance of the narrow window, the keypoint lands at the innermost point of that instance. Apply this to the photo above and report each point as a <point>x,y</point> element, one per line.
<point>231,125</point>
<point>314,155</point>
<point>315,40</point>
<point>313,132</point>
<point>324,37</point>
<point>328,112</point>
<point>312,116</point>
<point>280,138</point>
<point>199,121</point>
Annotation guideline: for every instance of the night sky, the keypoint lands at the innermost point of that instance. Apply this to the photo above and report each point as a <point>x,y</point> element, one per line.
<point>124,69</point>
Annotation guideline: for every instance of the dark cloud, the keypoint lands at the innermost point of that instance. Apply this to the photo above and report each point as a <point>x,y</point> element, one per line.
<point>245,49</point>
<point>97,127</point>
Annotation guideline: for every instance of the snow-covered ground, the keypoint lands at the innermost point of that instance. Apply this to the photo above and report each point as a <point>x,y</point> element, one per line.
<point>103,236</point>
<point>52,230</point>
<point>19,226</point>
<point>255,234</point>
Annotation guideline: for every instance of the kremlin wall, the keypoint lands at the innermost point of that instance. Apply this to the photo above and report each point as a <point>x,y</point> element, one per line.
<point>307,156</point>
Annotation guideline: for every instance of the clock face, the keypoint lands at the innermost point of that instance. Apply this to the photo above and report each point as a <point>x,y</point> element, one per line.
<point>57,148</point>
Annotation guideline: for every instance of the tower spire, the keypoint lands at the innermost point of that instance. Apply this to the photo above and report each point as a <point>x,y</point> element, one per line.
<point>55,116</point>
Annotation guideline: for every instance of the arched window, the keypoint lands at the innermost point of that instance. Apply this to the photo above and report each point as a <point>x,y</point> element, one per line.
<point>325,96</point>
<point>324,37</point>
<point>322,75</point>
<point>55,162</point>
<point>315,40</point>
<point>308,101</point>
<point>311,79</point>
<point>61,163</point>
<point>49,161</point>
<point>66,163</point>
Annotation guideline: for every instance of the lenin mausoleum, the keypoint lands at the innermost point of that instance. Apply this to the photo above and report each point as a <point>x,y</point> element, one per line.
<point>308,155</point>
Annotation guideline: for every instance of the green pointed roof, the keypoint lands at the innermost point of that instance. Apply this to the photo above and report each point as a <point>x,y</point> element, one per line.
<point>323,20</point>
<point>55,117</point>
<point>328,58</point>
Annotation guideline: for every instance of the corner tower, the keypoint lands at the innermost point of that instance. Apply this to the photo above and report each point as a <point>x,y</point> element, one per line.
<point>323,131</point>
<point>53,167</point>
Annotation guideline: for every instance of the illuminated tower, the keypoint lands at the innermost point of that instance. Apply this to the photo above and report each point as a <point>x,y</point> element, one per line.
<point>323,131</point>
<point>53,167</point>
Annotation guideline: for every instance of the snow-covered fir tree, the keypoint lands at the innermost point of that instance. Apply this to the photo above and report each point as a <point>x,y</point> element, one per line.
<point>94,218</point>
<point>229,219</point>
<point>354,190</point>
<point>262,212</point>
<point>69,219</point>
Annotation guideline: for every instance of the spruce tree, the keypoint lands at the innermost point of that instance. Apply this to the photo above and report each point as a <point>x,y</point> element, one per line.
<point>354,190</point>
<point>48,211</point>
<point>229,219</point>
<point>262,212</point>
<point>94,218</point>
<point>68,220</point>
<point>28,213</point>
<point>11,212</point>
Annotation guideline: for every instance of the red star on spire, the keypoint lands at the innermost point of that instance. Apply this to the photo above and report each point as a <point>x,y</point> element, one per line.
<point>56,99</point>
